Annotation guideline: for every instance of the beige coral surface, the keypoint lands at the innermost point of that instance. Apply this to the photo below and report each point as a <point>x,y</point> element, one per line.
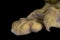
<point>49,15</point>
<point>50,20</point>
<point>26,27</point>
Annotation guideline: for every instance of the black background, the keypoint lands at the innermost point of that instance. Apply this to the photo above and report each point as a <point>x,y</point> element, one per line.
<point>14,10</point>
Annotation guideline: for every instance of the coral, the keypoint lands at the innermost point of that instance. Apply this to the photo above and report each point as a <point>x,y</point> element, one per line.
<point>26,26</point>
<point>50,20</point>
<point>49,15</point>
<point>57,5</point>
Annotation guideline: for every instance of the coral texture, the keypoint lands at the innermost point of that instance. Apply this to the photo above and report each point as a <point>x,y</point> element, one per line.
<point>49,15</point>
